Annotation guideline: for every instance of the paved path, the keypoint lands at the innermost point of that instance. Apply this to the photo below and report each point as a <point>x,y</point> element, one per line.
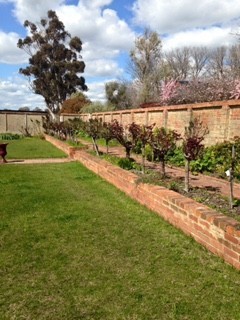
<point>35,161</point>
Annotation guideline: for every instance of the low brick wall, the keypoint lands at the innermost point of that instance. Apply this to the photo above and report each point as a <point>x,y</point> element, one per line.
<point>218,233</point>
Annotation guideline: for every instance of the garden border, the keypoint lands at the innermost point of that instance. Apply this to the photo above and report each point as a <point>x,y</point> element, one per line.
<point>218,233</point>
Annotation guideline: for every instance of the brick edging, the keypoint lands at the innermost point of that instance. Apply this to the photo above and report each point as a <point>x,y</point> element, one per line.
<point>217,232</point>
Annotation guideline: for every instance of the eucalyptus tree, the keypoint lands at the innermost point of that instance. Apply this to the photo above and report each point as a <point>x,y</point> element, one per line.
<point>55,63</point>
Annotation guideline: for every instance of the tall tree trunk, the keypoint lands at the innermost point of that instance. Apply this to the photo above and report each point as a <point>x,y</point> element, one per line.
<point>107,146</point>
<point>128,151</point>
<point>163,171</point>
<point>231,178</point>
<point>95,146</point>
<point>187,168</point>
<point>143,159</point>
<point>162,164</point>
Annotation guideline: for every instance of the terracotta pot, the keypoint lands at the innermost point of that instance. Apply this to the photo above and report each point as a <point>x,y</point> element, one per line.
<point>3,151</point>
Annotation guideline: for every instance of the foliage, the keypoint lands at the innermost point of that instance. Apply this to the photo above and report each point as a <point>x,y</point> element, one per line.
<point>10,136</point>
<point>106,133</point>
<point>194,135</point>
<point>54,63</point>
<point>196,91</point>
<point>116,94</point>
<point>168,91</point>
<point>176,157</point>
<point>94,128</point>
<point>122,136</point>
<point>75,104</point>
<point>235,93</point>
<point>206,162</point>
<point>145,61</point>
<point>163,141</point>
<point>217,159</point>
<point>183,75</point>
<point>141,136</point>
<point>126,163</point>
<point>97,106</point>
<point>192,144</point>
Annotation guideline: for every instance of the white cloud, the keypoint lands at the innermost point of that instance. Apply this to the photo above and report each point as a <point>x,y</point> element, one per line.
<point>177,15</point>
<point>9,52</point>
<point>96,91</point>
<point>212,37</point>
<point>99,28</point>
<point>15,94</point>
<point>96,3</point>
<point>102,68</point>
<point>34,10</point>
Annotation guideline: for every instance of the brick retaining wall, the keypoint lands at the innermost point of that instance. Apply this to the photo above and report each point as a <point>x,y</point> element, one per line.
<point>218,233</point>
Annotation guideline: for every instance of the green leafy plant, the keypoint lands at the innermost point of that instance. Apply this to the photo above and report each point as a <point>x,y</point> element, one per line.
<point>10,136</point>
<point>176,157</point>
<point>126,163</point>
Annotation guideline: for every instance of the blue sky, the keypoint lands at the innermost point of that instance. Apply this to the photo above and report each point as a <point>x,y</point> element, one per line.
<point>108,29</point>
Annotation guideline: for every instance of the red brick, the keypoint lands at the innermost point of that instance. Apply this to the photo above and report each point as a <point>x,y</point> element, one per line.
<point>231,253</point>
<point>232,239</point>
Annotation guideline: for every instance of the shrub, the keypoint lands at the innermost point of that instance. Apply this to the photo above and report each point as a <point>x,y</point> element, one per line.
<point>10,136</point>
<point>176,157</point>
<point>126,163</point>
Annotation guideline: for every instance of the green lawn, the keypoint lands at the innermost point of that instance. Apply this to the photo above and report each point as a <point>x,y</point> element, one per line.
<point>32,148</point>
<point>74,247</point>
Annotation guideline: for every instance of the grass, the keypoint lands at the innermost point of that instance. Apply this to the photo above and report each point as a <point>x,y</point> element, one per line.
<point>32,148</point>
<point>74,247</point>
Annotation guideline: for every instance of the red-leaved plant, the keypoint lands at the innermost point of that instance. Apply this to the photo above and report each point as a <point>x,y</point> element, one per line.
<point>194,135</point>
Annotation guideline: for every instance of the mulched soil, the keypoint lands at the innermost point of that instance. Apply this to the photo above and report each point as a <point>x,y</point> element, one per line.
<point>209,196</point>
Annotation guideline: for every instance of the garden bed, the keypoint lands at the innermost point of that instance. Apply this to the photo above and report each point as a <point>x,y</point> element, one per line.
<point>208,196</point>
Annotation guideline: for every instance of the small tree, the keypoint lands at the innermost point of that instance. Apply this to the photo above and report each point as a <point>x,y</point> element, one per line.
<point>116,94</point>
<point>192,144</point>
<point>106,133</point>
<point>75,103</point>
<point>143,135</point>
<point>163,141</point>
<point>77,125</point>
<point>93,128</point>
<point>122,136</point>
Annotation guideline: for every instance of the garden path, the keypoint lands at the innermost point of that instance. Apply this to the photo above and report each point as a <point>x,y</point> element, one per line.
<point>34,161</point>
